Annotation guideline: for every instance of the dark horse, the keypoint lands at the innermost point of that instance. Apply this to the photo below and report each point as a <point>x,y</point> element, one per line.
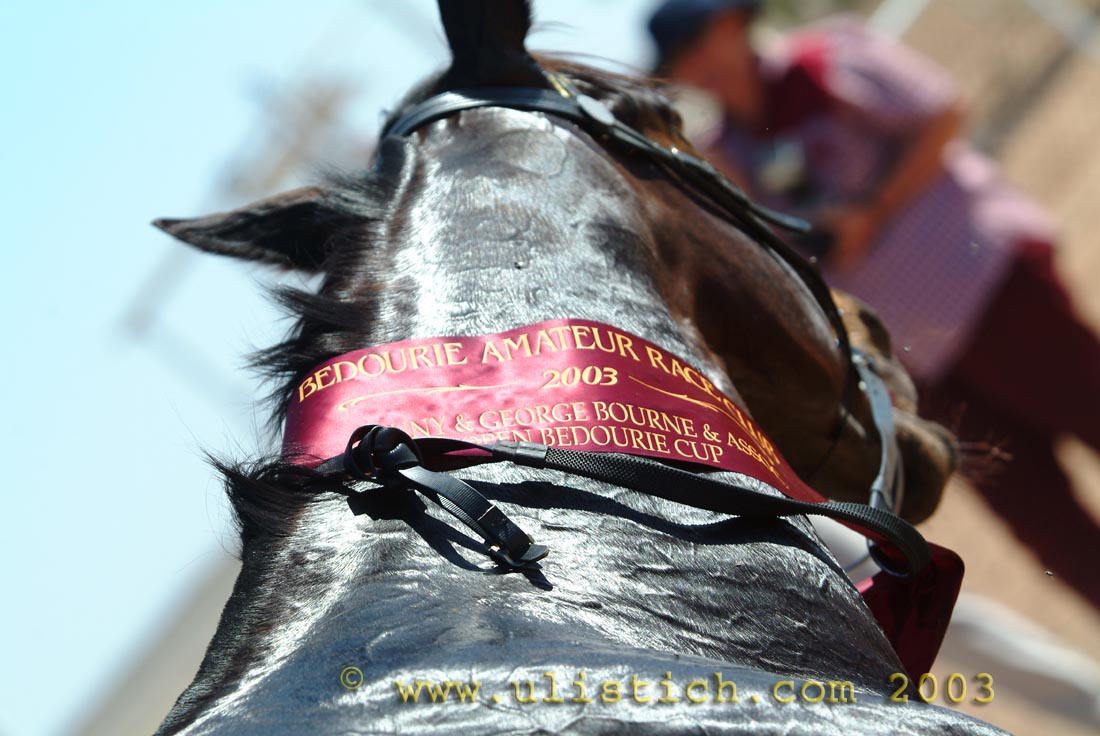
<point>477,223</point>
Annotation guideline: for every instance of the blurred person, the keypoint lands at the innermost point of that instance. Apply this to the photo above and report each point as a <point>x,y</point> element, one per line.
<point>856,133</point>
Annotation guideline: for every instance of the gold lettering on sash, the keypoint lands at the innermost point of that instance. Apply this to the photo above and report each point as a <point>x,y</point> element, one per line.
<point>362,364</point>
<point>420,352</point>
<point>387,357</point>
<point>521,344</point>
<point>656,358</point>
<point>340,376</point>
<point>543,342</point>
<point>452,348</point>
<point>625,346</point>
<point>320,374</point>
<point>306,384</point>
<point>491,350</point>
<point>560,332</point>
<point>579,331</point>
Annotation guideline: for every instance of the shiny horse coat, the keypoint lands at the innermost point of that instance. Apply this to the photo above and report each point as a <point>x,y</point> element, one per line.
<point>476,224</point>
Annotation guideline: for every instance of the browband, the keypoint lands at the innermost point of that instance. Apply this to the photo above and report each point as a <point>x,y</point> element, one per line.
<point>581,109</point>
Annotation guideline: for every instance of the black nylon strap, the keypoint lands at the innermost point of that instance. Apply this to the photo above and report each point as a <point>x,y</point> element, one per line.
<point>390,454</point>
<point>664,481</point>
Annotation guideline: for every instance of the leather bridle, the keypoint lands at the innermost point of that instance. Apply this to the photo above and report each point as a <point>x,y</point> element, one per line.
<point>389,457</point>
<point>695,175</point>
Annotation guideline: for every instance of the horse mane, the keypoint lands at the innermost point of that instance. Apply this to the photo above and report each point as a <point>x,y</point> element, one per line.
<point>329,320</point>
<point>267,495</point>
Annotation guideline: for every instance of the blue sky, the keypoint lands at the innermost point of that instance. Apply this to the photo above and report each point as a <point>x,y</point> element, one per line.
<point>114,115</point>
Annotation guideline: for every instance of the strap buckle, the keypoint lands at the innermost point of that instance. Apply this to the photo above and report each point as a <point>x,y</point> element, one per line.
<point>533,553</point>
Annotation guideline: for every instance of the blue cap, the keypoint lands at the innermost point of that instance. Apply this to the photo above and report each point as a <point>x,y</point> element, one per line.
<point>677,22</point>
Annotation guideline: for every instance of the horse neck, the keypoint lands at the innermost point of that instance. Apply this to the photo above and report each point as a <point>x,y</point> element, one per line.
<point>625,572</point>
<point>473,257</point>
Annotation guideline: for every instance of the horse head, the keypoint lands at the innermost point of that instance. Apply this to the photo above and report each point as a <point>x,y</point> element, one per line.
<point>474,222</point>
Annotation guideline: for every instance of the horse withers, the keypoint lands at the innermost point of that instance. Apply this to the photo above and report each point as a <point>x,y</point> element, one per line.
<point>501,237</point>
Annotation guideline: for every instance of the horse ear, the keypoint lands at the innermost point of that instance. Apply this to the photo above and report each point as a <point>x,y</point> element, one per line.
<point>487,43</point>
<point>289,229</point>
